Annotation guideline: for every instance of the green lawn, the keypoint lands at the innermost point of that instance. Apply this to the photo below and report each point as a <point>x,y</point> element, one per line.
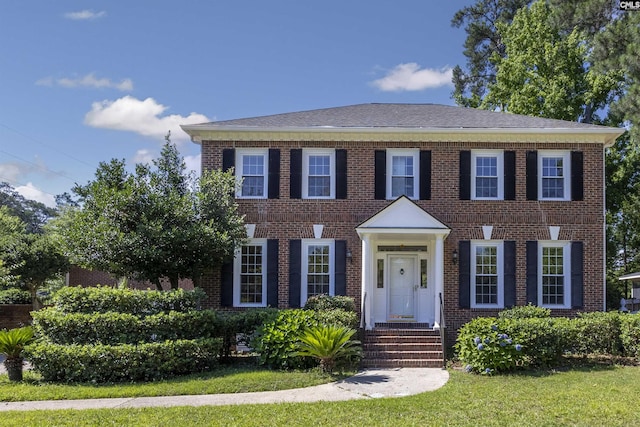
<point>233,379</point>
<point>591,396</point>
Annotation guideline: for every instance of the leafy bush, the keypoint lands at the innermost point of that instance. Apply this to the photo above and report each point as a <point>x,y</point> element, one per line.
<point>486,349</point>
<point>544,340</point>
<point>123,328</point>
<point>15,296</point>
<point>329,344</point>
<point>630,334</point>
<point>328,302</point>
<point>525,312</point>
<point>243,323</point>
<point>122,363</point>
<point>596,333</point>
<point>276,341</point>
<point>102,299</point>
<point>12,341</point>
<point>338,317</point>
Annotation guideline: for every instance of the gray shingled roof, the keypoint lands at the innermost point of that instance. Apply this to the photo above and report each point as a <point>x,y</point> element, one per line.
<point>418,116</point>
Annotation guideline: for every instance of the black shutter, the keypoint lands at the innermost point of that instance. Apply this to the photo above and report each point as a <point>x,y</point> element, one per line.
<point>341,174</point>
<point>380,170</point>
<point>425,175</point>
<point>295,272</point>
<point>532,175</point>
<point>577,178</point>
<point>532,272</point>
<point>340,276</point>
<point>465,175</point>
<point>228,158</point>
<point>272,272</point>
<point>274,173</point>
<point>509,175</point>
<point>509,273</point>
<point>295,189</point>
<point>464,274</point>
<point>226,290</point>
<point>577,276</point>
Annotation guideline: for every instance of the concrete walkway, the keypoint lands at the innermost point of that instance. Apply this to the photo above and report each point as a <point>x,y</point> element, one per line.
<point>368,384</point>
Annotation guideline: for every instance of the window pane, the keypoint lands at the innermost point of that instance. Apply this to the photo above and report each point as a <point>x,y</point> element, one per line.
<point>319,180</point>
<point>487,177</point>
<point>553,276</point>
<point>552,177</point>
<point>402,166</point>
<point>253,175</point>
<point>317,270</point>
<point>401,185</point>
<point>251,274</point>
<point>486,277</point>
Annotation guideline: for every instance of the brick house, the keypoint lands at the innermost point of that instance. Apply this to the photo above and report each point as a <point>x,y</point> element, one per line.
<point>403,205</point>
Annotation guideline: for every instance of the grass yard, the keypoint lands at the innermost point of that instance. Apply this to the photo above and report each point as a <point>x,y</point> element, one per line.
<point>233,379</point>
<point>587,396</point>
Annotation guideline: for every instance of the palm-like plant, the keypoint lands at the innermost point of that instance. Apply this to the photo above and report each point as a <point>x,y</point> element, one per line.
<point>12,343</point>
<point>329,344</point>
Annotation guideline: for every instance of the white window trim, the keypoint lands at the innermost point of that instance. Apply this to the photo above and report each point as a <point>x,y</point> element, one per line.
<point>416,171</point>
<point>566,162</point>
<point>237,269</point>
<point>305,266</point>
<point>240,153</point>
<point>305,171</point>
<point>566,267</point>
<point>499,155</point>
<point>499,244</point>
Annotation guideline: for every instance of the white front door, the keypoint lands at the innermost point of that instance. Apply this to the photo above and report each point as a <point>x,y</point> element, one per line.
<point>403,283</point>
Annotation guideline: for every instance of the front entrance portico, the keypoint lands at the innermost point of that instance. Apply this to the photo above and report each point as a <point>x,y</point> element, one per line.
<point>402,265</point>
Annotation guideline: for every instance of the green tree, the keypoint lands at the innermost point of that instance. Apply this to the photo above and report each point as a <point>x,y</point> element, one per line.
<point>153,223</point>
<point>34,214</point>
<point>545,73</point>
<point>30,258</point>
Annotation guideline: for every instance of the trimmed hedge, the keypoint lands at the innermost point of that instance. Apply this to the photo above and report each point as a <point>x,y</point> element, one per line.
<point>330,302</point>
<point>543,341</point>
<point>122,363</point>
<point>103,299</point>
<point>15,296</point>
<point>123,328</point>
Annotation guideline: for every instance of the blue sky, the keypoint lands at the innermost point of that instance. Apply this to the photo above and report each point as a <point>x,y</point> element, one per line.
<point>87,81</point>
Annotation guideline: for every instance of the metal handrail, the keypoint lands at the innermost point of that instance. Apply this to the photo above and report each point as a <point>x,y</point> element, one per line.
<point>442,332</point>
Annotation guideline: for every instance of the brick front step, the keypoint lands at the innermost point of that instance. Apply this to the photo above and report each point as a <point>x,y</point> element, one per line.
<point>401,363</point>
<point>400,346</point>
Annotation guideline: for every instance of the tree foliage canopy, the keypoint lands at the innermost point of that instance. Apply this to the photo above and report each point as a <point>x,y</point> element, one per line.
<point>155,222</point>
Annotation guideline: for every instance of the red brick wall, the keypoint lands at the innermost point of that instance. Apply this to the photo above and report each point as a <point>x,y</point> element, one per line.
<point>15,315</point>
<point>518,220</point>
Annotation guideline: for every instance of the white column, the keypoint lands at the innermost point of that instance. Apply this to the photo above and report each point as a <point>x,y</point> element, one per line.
<point>367,283</point>
<point>439,262</point>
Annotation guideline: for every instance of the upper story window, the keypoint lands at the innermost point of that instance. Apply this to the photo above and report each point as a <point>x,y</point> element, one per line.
<point>252,170</point>
<point>487,175</point>
<point>319,174</point>
<point>554,278</point>
<point>487,283</point>
<point>554,175</point>
<point>250,281</point>
<point>402,174</point>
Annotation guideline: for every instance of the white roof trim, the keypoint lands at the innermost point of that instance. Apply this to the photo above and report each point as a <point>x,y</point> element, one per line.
<point>630,276</point>
<point>203,132</point>
<point>402,216</point>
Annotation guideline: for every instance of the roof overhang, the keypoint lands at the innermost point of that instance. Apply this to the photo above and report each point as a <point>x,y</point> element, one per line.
<point>630,276</point>
<point>213,132</point>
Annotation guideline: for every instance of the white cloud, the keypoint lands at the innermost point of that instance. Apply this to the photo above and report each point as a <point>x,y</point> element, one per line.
<point>12,172</point>
<point>85,15</point>
<point>193,163</point>
<point>144,156</point>
<point>90,80</point>
<point>29,191</point>
<point>143,117</point>
<point>410,77</point>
